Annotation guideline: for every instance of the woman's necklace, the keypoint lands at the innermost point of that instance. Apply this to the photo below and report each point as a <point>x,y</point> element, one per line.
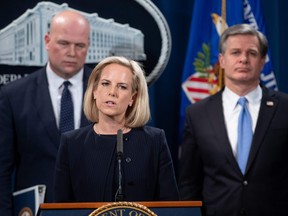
<point>98,130</point>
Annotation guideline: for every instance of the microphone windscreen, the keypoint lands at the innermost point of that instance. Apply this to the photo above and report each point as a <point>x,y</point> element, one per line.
<point>119,141</point>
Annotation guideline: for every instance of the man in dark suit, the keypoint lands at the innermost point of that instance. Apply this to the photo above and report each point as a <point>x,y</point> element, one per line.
<point>30,109</point>
<point>211,166</point>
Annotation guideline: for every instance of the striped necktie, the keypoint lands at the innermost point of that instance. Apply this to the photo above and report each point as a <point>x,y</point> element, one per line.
<point>66,111</point>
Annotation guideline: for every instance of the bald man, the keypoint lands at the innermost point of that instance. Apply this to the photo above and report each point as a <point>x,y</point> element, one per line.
<point>30,109</point>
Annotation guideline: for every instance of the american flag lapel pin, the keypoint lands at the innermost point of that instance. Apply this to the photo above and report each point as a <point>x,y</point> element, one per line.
<point>270,103</point>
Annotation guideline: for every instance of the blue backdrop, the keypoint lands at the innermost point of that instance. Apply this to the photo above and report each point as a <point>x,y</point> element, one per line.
<point>165,93</point>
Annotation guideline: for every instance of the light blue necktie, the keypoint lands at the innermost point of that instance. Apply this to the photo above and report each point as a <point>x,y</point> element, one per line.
<point>245,135</point>
<point>66,110</point>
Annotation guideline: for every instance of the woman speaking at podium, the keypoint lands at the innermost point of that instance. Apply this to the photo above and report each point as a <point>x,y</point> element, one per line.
<point>118,157</point>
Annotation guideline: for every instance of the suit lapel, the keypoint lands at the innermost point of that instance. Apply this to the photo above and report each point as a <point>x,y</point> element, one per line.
<point>44,107</point>
<point>216,116</point>
<point>267,109</point>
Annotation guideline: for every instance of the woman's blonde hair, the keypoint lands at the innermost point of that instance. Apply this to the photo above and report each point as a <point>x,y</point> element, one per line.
<point>139,113</point>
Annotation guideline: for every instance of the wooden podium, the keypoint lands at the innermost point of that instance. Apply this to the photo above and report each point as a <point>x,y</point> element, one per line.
<point>166,208</point>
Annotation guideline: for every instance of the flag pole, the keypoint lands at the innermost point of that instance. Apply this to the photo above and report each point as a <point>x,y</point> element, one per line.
<point>221,71</point>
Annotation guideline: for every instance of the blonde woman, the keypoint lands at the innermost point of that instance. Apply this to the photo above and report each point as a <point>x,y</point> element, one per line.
<point>87,170</point>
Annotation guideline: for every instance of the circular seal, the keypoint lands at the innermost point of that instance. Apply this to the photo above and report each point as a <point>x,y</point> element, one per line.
<point>135,29</point>
<point>123,208</point>
<point>144,17</point>
<point>165,37</point>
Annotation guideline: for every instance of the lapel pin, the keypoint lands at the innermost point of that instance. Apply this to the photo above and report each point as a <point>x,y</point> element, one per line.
<point>270,103</point>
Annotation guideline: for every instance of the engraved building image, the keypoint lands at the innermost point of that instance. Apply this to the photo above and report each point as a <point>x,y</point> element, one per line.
<point>22,41</point>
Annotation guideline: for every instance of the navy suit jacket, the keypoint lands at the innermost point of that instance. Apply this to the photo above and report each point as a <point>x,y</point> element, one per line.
<point>209,171</point>
<point>87,170</point>
<point>29,138</point>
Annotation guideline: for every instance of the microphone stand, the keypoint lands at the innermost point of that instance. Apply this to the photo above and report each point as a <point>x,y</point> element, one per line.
<point>119,196</point>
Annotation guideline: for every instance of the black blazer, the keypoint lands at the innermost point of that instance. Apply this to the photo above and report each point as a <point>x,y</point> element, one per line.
<point>87,170</point>
<point>29,137</point>
<point>209,171</point>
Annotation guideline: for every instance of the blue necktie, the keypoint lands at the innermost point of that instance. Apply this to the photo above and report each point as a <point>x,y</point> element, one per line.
<point>245,135</point>
<point>66,111</point>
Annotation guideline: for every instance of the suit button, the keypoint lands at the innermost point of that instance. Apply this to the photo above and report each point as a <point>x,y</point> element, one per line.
<point>128,159</point>
<point>245,183</point>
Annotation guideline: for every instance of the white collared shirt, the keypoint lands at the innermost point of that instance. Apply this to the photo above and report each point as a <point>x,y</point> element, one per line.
<point>55,84</point>
<point>232,111</point>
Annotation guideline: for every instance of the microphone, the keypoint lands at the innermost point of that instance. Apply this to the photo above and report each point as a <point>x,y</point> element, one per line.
<point>119,196</point>
<point>119,143</point>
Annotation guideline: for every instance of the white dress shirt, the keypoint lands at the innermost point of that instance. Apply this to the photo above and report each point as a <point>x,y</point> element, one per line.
<point>232,111</point>
<point>56,86</point>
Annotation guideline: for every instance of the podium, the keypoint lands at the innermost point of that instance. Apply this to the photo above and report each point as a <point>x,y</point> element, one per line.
<point>165,208</point>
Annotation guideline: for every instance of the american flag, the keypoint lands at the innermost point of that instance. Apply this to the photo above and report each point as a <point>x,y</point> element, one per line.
<point>197,87</point>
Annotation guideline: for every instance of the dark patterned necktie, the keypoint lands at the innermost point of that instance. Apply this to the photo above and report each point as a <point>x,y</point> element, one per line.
<point>245,134</point>
<point>66,111</point>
